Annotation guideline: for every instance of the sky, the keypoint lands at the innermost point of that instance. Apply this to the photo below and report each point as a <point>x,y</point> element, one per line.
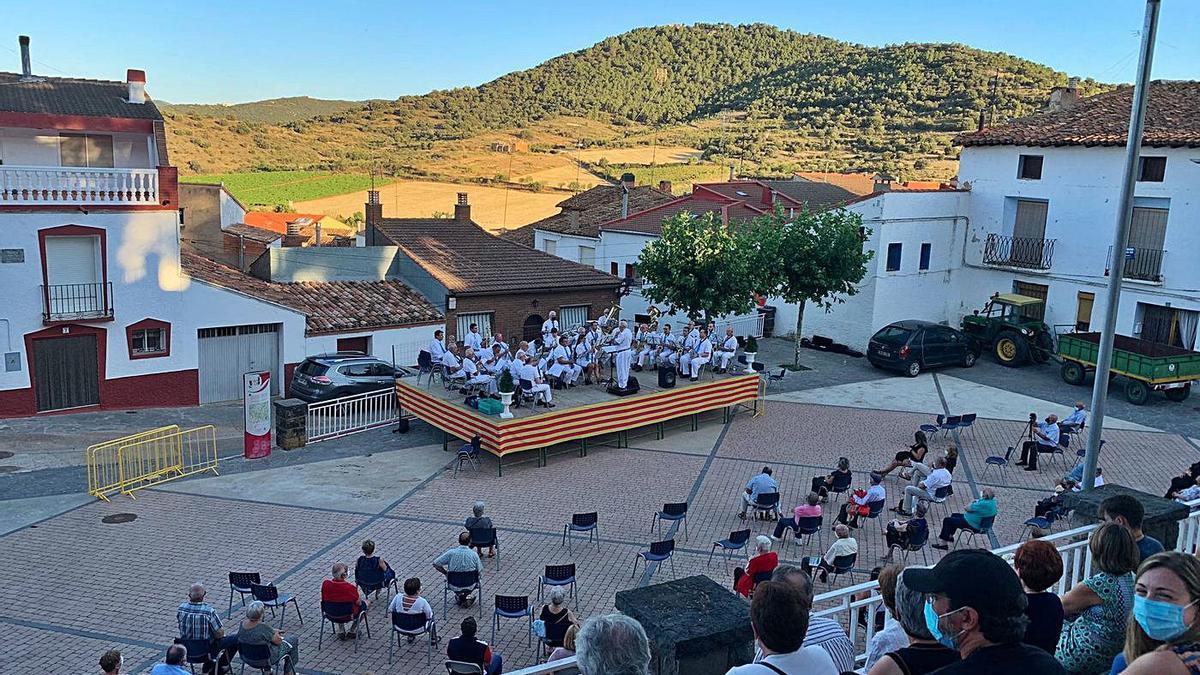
<point>223,51</point>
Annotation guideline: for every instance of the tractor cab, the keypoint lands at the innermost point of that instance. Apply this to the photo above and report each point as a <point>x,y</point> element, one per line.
<point>1008,323</point>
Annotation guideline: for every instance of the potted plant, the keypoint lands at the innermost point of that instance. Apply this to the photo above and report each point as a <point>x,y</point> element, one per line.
<point>505,386</point>
<point>751,350</point>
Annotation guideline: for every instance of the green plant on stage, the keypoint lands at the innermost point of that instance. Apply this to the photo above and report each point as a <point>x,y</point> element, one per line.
<point>505,383</point>
<point>751,346</point>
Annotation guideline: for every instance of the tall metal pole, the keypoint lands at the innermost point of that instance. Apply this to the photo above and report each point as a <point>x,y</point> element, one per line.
<point>1133,146</point>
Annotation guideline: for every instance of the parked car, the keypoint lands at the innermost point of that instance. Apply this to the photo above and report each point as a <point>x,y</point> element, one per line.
<point>326,376</point>
<point>912,345</point>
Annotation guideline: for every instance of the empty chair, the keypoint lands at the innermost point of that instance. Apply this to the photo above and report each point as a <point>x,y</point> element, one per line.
<point>463,668</point>
<point>425,367</point>
<point>457,582</point>
<point>272,598</point>
<point>412,626</point>
<point>967,421</point>
<point>984,529</point>
<point>582,522</point>
<point>673,512</point>
<point>767,504</point>
<point>513,607</point>
<point>340,613</point>
<point>239,582</point>
<point>996,460</point>
<point>930,429</point>
<point>736,542</point>
<point>659,551</point>
<point>950,424</point>
<point>773,377</point>
<point>468,455</point>
<point>557,575</point>
<point>485,537</point>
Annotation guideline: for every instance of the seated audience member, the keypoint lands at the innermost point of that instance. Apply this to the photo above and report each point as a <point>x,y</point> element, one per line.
<point>924,654</point>
<point>921,470</point>
<point>925,490</point>
<point>810,509</point>
<point>460,559</point>
<point>892,636</point>
<point>337,589</point>
<point>556,617</point>
<point>412,603</point>
<point>612,644</point>
<point>822,632</point>
<point>368,561</point>
<point>1039,566</point>
<point>1045,440</point>
<point>175,662</point>
<point>1073,422</point>
<point>900,532</point>
<point>1164,637</point>
<point>468,649</point>
<point>254,632</point>
<point>761,484</point>
<point>568,646</point>
<point>779,616</point>
<point>1183,481</point>
<point>111,662</point>
<point>1128,512</point>
<point>915,453</point>
<point>822,484</point>
<point>762,561</point>
<point>843,545</point>
<point>1097,608</point>
<point>859,502</point>
<point>200,623</point>
<point>479,521</point>
<point>1187,494</point>
<point>973,516</point>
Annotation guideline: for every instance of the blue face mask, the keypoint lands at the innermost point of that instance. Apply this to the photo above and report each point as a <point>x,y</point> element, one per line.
<point>1162,621</point>
<point>932,619</point>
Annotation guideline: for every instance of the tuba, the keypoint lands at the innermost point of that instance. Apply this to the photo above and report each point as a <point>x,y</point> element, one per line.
<point>609,317</point>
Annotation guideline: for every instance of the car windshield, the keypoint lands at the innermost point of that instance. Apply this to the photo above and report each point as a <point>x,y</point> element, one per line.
<point>312,368</point>
<point>894,333</point>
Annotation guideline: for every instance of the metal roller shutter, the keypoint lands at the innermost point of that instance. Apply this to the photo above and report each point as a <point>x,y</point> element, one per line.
<point>228,352</point>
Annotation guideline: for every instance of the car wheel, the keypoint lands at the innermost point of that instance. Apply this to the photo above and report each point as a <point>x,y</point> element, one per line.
<point>1072,373</point>
<point>912,368</point>
<point>1136,392</point>
<point>968,360</point>
<point>1010,349</point>
<point>1179,394</point>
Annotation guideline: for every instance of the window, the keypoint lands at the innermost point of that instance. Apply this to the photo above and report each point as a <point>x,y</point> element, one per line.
<point>356,370</point>
<point>148,338</point>
<point>94,150</point>
<point>1083,311</point>
<point>613,269</point>
<point>464,321</point>
<point>926,249</point>
<point>587,256</point>
<point>1152,169</point>
<point>550,246</point>
<point>630,271</point>
<point>148,341</point>
<point>1029,167</point>
<point>893,256</point>
<point>575,315</point>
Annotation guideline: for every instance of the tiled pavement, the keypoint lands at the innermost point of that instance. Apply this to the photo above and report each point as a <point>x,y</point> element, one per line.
<point>117,585</point>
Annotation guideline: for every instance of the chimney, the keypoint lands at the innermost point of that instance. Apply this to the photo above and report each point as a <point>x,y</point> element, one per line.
<point>883,183</point>
<point>1064,98</point>
<point>732,177</point>
<point>318,234</point>
<point>372,214</point>
<point>26,69</point>
<point>462,210</point>
<point>628,180</point>
<point>624,198</point>
<point>664,186</point>
<point>136,79</point>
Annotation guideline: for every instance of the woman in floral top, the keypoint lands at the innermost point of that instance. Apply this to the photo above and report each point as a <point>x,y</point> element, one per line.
<point>1098,607</point>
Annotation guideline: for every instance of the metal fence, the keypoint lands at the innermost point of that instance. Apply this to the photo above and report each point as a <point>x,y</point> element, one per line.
<point>1028,252</point>
<point>749,325</point>
<point>148,458</point>
<point>351,414</point>
<point>1144,264</point>
<point>62,302</point>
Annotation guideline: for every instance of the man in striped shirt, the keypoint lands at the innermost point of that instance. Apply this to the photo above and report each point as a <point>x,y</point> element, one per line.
<point>824,633</point>
<point>200,624</point>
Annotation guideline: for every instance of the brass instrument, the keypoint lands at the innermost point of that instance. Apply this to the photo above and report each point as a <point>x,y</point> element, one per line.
<point>609,317</point>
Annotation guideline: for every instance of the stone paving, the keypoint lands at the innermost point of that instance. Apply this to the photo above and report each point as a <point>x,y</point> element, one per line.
<point>117,586</point>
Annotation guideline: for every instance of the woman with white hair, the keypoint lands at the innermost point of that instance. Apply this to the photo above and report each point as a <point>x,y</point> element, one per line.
<point>612,644</point>
<point>253,631</point>
<point>479,521</point>
<point>923,654</point>
<point>556,617</point>
<point>762,561</point>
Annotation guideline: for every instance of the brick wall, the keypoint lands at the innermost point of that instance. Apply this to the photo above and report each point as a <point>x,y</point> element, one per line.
<point>511,309</point>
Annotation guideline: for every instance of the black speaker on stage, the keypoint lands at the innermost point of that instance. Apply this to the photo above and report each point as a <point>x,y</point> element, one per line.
<point>666,376</point>
<point>631,387</point>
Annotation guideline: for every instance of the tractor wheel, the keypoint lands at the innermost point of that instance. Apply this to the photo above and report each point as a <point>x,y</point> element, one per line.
<point>1136,392</point>
<point>1041,351</point>
<point>1073,373</point>
<point>1179,394</point>
<point>912,368</point>
<point>1011,349</point>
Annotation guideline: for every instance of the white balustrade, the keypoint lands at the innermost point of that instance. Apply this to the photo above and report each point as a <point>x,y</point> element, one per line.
<point>749,325</point>
<point>350,414</point>
<point>53,185</point>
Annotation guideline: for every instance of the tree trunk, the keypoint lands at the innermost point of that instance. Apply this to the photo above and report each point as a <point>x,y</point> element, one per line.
<point>799,323</point>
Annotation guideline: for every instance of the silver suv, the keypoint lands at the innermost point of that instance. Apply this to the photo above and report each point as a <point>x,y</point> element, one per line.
<point>326,376</point>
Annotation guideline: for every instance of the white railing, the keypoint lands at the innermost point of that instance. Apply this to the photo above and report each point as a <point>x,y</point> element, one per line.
<point>567,666</point>
<point>52,185</point>
<point>350,414</point>
<point>749,325</point>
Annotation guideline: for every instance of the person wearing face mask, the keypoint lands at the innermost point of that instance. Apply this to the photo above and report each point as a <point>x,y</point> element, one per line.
<point>1165,638</point>
<point>977,608</point>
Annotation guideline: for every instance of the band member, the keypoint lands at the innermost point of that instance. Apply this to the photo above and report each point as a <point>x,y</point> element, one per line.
<point>550,326</point>
<point>585,358</point>
<point>522,352</point>
<point>698,356</point>
<point>623,354</point>
<point>471,370</point>
<point>648,350</point>
<point>687,349</point>
<point>668,348</point>
<point>496,361</point>
<point>593,333</point>
<point>725,354</point>
<point>473,340</point>
<point>562,364</point>
<point>498,339</point>
<point>528,372</point>
<point>436,347</point>
<point>693,330</point>
<point>451,364</point>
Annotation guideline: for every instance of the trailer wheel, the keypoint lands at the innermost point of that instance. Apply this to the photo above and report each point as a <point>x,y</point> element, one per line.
<point>1179,394</point>
<point>1136,392</point>
<point>1010,349</point>
<point>1073,373</point>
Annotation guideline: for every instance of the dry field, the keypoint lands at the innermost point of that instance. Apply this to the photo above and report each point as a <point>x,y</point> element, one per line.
<point>643,154</point>
<point>492,207</point>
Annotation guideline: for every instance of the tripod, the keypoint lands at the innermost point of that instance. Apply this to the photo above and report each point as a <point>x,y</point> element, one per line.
<point>1025,434</point>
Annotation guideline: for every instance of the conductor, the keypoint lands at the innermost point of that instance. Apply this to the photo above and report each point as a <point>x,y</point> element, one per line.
<point>623,354</point>
<point>1045,439</point>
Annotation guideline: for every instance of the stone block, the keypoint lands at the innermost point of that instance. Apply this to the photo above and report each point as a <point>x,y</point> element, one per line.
<point>291,416</point>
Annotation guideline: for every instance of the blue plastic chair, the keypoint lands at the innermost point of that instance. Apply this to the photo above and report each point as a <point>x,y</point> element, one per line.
<point>985,528</point>
<point>807,527</point>
<point>843,564</point>
<point>930,429</point>
<point>258,657</point>
<point>557,575</point>
<point>582,522</point>
<point>1044,522</point>
<point>371,579</point>
<point>672,512</point>
<point>968,421</point>
<point>484,537</point>
<point>736,542</point>
<point>462,581</point>
<point>659,552</point>
<point>876,509</point>
<point>917,544</point>
<point>272,598</point>
<point>468,455</point>
<point>197,653</point>
<point>767,502</point>
<point>335,613</point>
<point>940,497</point>
<point>513,607</point>
<point>950,424</point>
<point>412,626</point>
<point>841,485</point>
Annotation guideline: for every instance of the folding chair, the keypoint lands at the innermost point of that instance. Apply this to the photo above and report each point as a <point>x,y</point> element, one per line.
<point>768,503</point>
<point>773,377</point>
<point>582,522</point>
<point>412,626</point>
<point>340,613</point>
<point>673,512</point>
<point>807,527</point>
<point>239,582</point>
<point>844,564</point>
<point>259,657</point>
<point>513,607</point>
<point>557,575</point>
<point>272,598</point>
<point>984,529</point>
<point>736,542</point>
<point>463,668</point>
<point>371,579</point>
<point>468,455</point>
<point>462,582</point>
<point>485,537</point>
<point>659,552</point>
<point>425,367</point>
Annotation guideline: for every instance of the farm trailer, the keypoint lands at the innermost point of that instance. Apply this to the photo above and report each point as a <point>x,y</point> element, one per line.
<point>1145,365</point>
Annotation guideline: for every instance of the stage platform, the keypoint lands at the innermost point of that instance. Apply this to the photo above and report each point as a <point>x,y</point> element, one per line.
<point>580,413</point>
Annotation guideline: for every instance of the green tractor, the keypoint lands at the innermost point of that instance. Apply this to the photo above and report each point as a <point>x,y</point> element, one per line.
<point>1005,325</point>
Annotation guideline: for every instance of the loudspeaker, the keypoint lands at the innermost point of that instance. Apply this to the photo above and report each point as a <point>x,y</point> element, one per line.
<point>666,376</point>
<point>401,426</point>
<point>631,387</point>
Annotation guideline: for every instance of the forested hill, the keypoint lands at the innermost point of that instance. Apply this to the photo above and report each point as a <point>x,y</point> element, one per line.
<point>271,111</point>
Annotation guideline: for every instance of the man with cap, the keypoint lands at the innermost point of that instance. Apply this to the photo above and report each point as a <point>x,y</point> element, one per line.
<point>977,607</point>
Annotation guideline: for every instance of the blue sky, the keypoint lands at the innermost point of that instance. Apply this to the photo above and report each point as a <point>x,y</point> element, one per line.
<point>226,51</point>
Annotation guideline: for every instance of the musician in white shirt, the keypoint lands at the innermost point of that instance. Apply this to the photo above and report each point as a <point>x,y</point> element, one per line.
<point>650,342</point>
<point>687,349</point>
<point>693,330</point>
<point>585,359</point>
<point>529,373</point>
<point>623,354</point>
<point>703,354</point>
<point>562,364</point>
<point>436,347</point>
<point>471,370</point>
<point>498,339</point>
<point>522,352</point>
<point>668,347</point>
<point>549,326</point>
<point>473,340</point>
<point>453,367</point>
<point>725,354</point>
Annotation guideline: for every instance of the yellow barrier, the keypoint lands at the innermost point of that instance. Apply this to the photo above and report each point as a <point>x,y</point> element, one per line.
<point>149,458</point>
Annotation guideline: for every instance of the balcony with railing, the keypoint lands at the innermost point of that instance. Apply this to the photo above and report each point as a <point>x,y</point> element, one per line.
<point>1025,252</point>
<point>81,186</point>
<point>1142,264</point>
<point>77,302</point>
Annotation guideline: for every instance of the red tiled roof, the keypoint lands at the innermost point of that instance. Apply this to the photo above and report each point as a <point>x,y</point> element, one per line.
<point>582,213</point>
<point>1172,120</point>
<point>858,183</point>
<point>467,260</point>
<point>329,306</point>
<point>277,222</point>
<point>252,233</point>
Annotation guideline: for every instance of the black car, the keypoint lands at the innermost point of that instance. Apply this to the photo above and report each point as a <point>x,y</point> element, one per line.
<point>912,345</point>
<point>326,376</point>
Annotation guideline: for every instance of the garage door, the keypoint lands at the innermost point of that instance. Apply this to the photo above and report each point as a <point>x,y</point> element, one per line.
<point>228,352</point>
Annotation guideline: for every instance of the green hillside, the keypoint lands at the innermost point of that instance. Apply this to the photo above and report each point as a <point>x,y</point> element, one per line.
<point>269,111</point>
